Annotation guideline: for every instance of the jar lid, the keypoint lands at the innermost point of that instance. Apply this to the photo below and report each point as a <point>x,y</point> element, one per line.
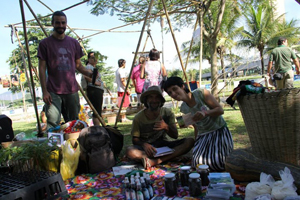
<point>170,175</point>
<point>194,175</point>
<point>185,168</point>
<point>203,167</point>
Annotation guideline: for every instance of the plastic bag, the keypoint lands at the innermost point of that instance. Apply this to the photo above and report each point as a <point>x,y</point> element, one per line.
<point>255,189</point>
<point>263,197</point>
<point>70,159</point>
<point>285,187</point>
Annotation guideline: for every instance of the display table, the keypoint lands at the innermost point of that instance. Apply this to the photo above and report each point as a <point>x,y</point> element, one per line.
<point>105,185</point>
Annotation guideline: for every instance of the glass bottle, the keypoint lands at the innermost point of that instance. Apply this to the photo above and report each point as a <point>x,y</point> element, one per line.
<point>149,185</point>
<point>184,175</point>
<point>139,193</point>
<point>195,188</point>
<point>203,170</point>
<point>127,188</point>
<point>145,189</point>
<point>170,185</point>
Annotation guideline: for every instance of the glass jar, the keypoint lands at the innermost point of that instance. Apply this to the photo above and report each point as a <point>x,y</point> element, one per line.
<point>195,188</point>
<point>170,184</point>
<point>184,175</point>
<point>204,172</point>
<point>175,171</point>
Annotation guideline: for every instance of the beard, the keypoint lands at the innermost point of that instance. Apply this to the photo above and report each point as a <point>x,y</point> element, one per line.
<point>154,106</point>
<point>60,31</point>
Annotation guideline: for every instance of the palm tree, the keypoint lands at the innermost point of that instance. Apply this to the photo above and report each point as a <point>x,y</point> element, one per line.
<point>260,29</point>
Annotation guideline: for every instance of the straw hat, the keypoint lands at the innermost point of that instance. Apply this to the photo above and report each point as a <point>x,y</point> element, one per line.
<point>152,90</point>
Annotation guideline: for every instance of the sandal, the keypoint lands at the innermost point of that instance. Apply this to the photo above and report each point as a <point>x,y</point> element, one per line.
<point>146,163</point>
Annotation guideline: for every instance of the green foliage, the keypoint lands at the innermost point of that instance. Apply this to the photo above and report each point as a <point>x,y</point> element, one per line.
<point>34,151</point>
<point>262,29</point>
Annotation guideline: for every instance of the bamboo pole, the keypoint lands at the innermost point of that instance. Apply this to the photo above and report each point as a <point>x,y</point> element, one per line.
<point>40,134</point>
<point>157,15</point>
<point>191,44</point>
<point>38,21</point>
<point>51,14</point>
<point>135,55</point>
<point>201,43</point>
<point>81,90</point>
<point>175,42</point>
<point>80,29</point>
<point>162,38</point>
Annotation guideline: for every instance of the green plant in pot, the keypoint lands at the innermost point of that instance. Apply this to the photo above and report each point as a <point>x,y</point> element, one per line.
<point>31,155</point>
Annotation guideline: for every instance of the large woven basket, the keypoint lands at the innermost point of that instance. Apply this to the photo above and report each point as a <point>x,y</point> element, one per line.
<point>273,124</point>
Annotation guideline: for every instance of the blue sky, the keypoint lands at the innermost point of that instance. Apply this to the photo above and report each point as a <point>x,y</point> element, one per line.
<point>113,45</point>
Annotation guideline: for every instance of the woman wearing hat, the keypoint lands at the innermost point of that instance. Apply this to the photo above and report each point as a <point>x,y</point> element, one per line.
<point>213,140</point>
<point>150,128</point>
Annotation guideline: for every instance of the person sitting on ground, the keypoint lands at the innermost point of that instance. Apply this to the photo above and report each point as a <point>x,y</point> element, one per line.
<point>149,130</point>
<point>213,138</point>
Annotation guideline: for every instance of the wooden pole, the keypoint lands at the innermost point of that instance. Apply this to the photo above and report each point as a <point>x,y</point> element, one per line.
<point>40,134</point>
<point>73,28</point>
<point>162,38</point>
<point>38,21</point>
<point>201,44</point>
<point>135,55</point>
<point>154,16</point>
<point>175,42</point>
<point>51,14</point>
<point>191,45</point>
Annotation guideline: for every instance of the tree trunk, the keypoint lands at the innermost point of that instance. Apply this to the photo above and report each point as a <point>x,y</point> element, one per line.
<point>214,68</point>
<point>262,62</point>
<point>222,64</point>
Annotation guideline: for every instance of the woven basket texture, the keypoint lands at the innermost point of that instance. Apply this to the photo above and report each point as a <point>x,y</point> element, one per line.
<point>272,123</point>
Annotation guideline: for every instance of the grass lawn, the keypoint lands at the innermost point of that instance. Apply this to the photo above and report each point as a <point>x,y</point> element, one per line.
<point>233,118</point>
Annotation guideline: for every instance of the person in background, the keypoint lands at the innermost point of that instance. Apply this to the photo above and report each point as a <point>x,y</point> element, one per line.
<point>282,56</point>
<point>213,140</point>
<point>153,70</point>
<point>149,129</point>
<point>60,55</point>
<point>121,78</point>
<point>138,83</point>
<point>94,92</point>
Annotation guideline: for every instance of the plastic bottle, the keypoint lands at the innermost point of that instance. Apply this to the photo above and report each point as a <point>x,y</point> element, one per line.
<point>195,188</point>
<point>145,189</point>
<point>204,173</point>
<point>170,184</point>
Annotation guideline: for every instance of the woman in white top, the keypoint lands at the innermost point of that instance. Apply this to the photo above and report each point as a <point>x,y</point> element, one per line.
<point>94,92</point>
<point>121,78</point>
<point>153,70</point>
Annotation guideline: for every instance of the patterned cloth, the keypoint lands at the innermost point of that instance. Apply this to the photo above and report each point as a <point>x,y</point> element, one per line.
<point>105,185</point>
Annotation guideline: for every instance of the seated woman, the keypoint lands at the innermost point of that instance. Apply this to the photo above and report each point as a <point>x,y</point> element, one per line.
<point>213,140</point>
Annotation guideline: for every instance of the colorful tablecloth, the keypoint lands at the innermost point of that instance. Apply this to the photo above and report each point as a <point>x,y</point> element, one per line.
<point>105,185</point>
